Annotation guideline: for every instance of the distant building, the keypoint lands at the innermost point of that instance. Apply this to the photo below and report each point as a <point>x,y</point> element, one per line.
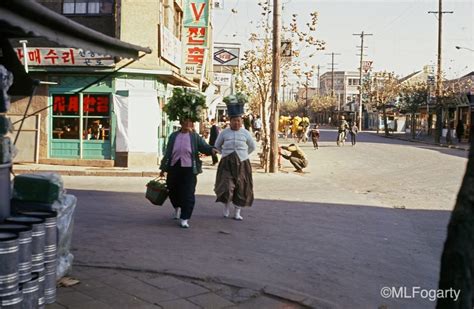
<point>345,88</point>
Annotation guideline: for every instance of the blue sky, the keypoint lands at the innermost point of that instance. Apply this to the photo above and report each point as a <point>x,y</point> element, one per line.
<point>404,34</point>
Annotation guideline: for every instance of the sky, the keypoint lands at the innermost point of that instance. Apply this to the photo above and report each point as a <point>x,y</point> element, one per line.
<point>404,36</point>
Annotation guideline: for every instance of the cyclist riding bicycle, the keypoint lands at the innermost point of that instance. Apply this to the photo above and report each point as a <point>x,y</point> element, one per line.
<point>343,126</point>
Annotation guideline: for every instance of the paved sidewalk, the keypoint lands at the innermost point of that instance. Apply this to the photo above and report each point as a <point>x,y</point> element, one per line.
<point>425,139</point>
<point>104,288</point>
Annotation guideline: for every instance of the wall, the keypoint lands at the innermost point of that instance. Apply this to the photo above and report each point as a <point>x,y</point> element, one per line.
<point>39,101</point>
<point>144,118</point>
<point>101,23</point>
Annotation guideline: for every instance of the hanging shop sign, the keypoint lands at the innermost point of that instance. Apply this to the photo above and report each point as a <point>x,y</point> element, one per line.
<point>39,56</point>
<point>226,56</point>
<point>222,79</point>
<point>170,47</point>
<point>196,27</point>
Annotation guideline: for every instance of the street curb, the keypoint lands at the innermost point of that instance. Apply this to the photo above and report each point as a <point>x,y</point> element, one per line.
<point>274,291</point>
<point>425,143</point>
<point>87,173</point>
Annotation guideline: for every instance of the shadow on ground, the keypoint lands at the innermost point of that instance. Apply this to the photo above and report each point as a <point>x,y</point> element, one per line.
<point>342,253</point>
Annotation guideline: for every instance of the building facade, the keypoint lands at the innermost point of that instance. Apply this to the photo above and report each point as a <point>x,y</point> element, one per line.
<point>97,110</point>
<point>344,86</point>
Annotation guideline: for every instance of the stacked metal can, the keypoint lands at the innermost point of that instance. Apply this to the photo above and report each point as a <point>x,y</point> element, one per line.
<point>28,259</point>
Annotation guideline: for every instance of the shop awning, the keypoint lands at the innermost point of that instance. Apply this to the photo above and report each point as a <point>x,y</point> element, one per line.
<point>177,79</point>
<point>27,18</point>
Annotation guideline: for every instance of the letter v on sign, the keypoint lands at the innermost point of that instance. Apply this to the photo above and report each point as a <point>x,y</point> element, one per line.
<point>197,15</point>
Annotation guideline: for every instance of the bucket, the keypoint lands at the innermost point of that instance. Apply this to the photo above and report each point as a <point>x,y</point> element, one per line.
<point>41,277</point>
<point>51,236</point>
<point>5,190</point>
<point>24,240</point>
<point>9,255</point>
<point>50,283</point>
<point>12,301</point>
<point>30,291</point>
<point>37,244</point>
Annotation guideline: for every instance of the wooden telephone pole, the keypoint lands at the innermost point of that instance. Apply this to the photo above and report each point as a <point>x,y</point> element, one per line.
<point>274,115</point>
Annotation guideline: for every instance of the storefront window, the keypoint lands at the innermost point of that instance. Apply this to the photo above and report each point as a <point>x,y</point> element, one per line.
<point>95,117</point>
<point>66,128</point>
<point>65,116</point>
<point>96,129</point>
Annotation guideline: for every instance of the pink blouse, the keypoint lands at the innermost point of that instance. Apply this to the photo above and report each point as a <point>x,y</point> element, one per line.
<point>182,150</point>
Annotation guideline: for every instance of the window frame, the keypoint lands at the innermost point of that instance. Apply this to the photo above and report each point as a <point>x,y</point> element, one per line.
<point>87,2</point>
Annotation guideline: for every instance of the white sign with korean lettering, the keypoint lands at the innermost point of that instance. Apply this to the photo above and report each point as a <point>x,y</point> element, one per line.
<point>54,56</point>
<point>170,47</point>
<point>222,79</point>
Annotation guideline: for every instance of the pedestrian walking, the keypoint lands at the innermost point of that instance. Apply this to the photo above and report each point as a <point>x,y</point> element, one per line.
<point>215,129</point>
<point>181,162</point>
<point>234,184</point>
<point>353,132</point>
<point>460,130</point>
<point>314,135</point>
<point>296,157</point>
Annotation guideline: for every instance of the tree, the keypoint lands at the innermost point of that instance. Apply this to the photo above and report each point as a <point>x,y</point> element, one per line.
<point>383,90</point>
<point>323,103</point>
<point>256,73</point>
<point>412,97</point>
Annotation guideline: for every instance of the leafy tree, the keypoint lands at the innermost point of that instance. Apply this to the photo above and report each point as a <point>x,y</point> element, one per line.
<point>383,90</point>
<point>256,71</point>
<point>412,97</point>
<point>323,103</point>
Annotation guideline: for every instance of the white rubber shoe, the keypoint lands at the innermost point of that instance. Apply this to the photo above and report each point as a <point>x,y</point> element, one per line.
<point>226,211</point>
<point>237,215</point>
<point>184,224</point>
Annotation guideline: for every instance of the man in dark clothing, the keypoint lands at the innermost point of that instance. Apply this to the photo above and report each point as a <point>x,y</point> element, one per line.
<point>460,130</point>
<point>212,139</point>
<point>353,131</point>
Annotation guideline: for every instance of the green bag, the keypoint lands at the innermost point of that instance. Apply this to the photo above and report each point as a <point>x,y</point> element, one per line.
<point>156,191</point>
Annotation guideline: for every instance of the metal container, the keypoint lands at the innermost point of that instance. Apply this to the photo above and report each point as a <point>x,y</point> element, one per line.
<point>38,236</point>
<point>24,240</point>
<point>30,292</point>
<point>5,190</point>
<point>12,301</point>
<point>51,236</point>
<point>9,256</point>
<point>50,283</point>
<point>41,278</point>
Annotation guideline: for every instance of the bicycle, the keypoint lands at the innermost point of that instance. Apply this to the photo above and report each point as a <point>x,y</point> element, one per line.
<point>258,135</point>
<point>341,138</point>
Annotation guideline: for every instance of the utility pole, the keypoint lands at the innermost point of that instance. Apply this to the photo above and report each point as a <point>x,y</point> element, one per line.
<point>273,168</point>
<point>439,80</point>
<point>362,34</point>
<point>319,84</point>
<point>332,78</point>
